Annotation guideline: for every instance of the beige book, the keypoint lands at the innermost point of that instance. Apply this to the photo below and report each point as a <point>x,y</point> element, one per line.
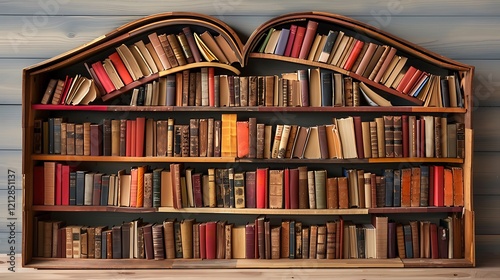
<point>125,190</point>
<point>141,61</point>
<point>395,59</point>
<point>314,87</point>
<point>130,62</point>
<point>277,141</point>
<point>367,147</point>
<point>312,150</point>
<point>238,242</point>
<point>110,69</point>
<point>373,96</point>
<point>314,47</point>
<point>284,141</point>
<point>226,48</point>
<point>167,198</point>
<point>273,40</point>
<point>340,49</point>
<point>390,81</point>
<point>320,48</point>
<point>147,56</point>
<point>380,136</point>
<point>155,56</point>
<point>212,45</point>
<point>339,38</point>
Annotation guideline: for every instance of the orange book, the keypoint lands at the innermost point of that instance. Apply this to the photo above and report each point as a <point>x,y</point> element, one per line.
<point>448,187</point>
<point>133,187</point>
<point>354,54</point>
<point>242,137</point>
<point>458,186</point>
<point>228,138</point>
<point>415,187</point>
<point>140,186</point>
<point>406,187</point>
<point>120,68</point>
<point>140,124</point>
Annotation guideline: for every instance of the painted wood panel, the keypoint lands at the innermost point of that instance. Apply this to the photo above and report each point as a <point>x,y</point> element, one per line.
<point>486,173</point>
<point>486,129</point>
<point>11,79</point>
<point>10,134</point>
<point>240,7</point>
<point>62,33</point>
<point>11,160</point>
<point>487,208</point>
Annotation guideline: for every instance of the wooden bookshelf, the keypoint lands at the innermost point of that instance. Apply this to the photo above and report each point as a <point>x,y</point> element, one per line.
<point>36,78</point>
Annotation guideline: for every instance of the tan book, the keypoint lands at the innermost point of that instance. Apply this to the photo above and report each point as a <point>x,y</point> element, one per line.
<point>319,49</point>
<point>130,62</point>
<point>212,191</point>
<point>228,138</point>
<point>275,242</point>
<point>49,186</point>
<point>276,141</point>
<point>273,40</point>
<point>314,87</point>
<point>49,91</point>
<point>176,47</point>
<point>238,242</point>
<point>314,47</point>
<point>58,91</point>
<point>212,45</point>
<point>187,238</point>
<point>169,238</point>
<point>276,189</point>
<point>267,140</point>
<point>380,136</point>
<point>312,150</point>
<point>285,239</point>
<point>86,139</point>
<point>228,232</point>
<point>155,42</point>
<point>205,51</point>
<point>154,55</point>
<point>226,49</point>
<point>166,199</point>
<point>367,148</point>
<point>390,81</point>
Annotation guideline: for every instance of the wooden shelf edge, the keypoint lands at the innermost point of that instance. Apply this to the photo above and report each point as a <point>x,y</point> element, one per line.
<point>360,109</point>
<point>62,263</point>
<point>266,211</point>
<point>430,209</point>
<point>240,160</point>
<point>90,208</point>
<point>132,159</point>
<point>390,91</point>
<point>436,263</point>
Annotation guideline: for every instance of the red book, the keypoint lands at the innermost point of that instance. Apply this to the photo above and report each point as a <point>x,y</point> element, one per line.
<point>309,35</point>
<point>120,68</point>
<point>287,188</point>
<point>211,240</point>
<point>434,241</point>
<point>197,192</point>
<point>128,145</point>
<point>294,188</point>
<point>405,130</point>
<point>203,239</point>
<point>242,136</point>
<point>291,39</point>
<point>416,77</point>
<point>261,191</point>
<point>58,184</point>
<point>354,54</point>
<point>406,78</point>
<point>133,187</point>
<point>359,136</point>
<point>67,84</point>
<point>250,189</point>
<point>65,185</point>
<point>211,87</point>
<point>103,77</point>
<point>297,42</point>
<point>38,182</point>
<point>438,186</point>
<point>140,124</point>
<point>250,241</point>
<point>132,138</point>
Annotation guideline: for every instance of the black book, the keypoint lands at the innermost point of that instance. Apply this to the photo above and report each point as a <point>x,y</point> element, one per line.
<point>72,188</point>
<point>106,137</point>
<point>80,187</point>
<point>104,189</point>
<point>389,187</point>
<point>292,240</point>
<point>117,242</point>
<point>125,242</point>
<point>141,97</point>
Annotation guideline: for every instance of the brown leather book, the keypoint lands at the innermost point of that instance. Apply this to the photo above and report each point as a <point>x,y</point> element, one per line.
<point>400,237</point>
<point>303,188</point>
<point>115,138</point>
<point>406,184</point>
<point>415,187</point>
<point>267,141</point>
<point>331,231</point>
<point>275,242</point>
<point>313,241</point>
<point>321,242</point>
<point>252,138</point>
<point>358,132</point>
<point>123,137</point>
<point>228,232</point>
<point>203,137</point>
<point>380,137</point>
<point>49,169</point>
<point>221,240</point>
<point>148,190</point>
<point>86,139</point>
<point>70,139</point>
<point>161,138</point>
<point>291,140</point>
<point>276,189</point>
<point>389,135</point>
<point>300,142</point>
<point>425,242</point>
<point>185,141</point>
<point>367,143</point>
<point>175,170</point>
<point>158,242</point>
<point>187,238</point>
<point>169,238</point>
<point>361,188</point>
<point>169,52</point>
<point>332,193</point>
<point>343,192</point>
<point>285,239</point>
<point>148,241</point>
<point>150,138</point>
<point>305,243</point>
<point>415,239</point>
<point>298,240</point>
<point>194,129</point>
<point>177,49</point>
<point>252,90</point>
<point>244,88</point>
<point>155,42</point>
<point>260,140</point>
<point>398,136</point>
<point>269,90</point>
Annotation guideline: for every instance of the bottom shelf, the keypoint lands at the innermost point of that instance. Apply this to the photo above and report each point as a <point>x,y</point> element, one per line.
<point>54,263</point>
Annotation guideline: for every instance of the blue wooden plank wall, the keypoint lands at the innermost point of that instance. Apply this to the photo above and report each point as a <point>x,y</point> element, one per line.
<point>468,31</point>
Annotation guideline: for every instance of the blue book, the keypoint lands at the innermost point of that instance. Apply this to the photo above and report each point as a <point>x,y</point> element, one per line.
<point>389,187</point>
<point>282,41</point>
<point>292,240</point>
<point>80,187</point>
<point>424,186</point>
<point>397,188</point>
<point>104,189</point>
<point>408,241</point>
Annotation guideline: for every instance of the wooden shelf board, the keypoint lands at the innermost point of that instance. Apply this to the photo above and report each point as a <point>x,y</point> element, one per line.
<point>188,66</point>
<point>63,263</point>
<point>416,160</point>
<point>258,211</point>
<point>360,109</point>
<point>131,159</point>
<point>431,209</point>
<point>88,208</point>
<point>436,263</point>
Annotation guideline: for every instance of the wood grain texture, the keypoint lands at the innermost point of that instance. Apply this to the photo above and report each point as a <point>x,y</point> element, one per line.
<point>11,77</point>
<point>446,37</point>
<point>485,175</point>
<point>240,7</point>
<point>487,129</point>
<point>487,208</point>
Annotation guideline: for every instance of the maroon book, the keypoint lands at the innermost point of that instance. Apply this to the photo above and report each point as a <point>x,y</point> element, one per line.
<point>197,193</point>
<point>203,239</point>
<point>294,188</point>
<point>434,241</point>
<point>211,240</point>
<point>391,240</point>
<point>250,241</point>
<point>96,140</point>
<point>359,136</point>
<point>65,185</point>
<point>287,188</point>
<point>38,185</point>
<point>405,130</point>
<point>250,189</point>
<point>309,35</point>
